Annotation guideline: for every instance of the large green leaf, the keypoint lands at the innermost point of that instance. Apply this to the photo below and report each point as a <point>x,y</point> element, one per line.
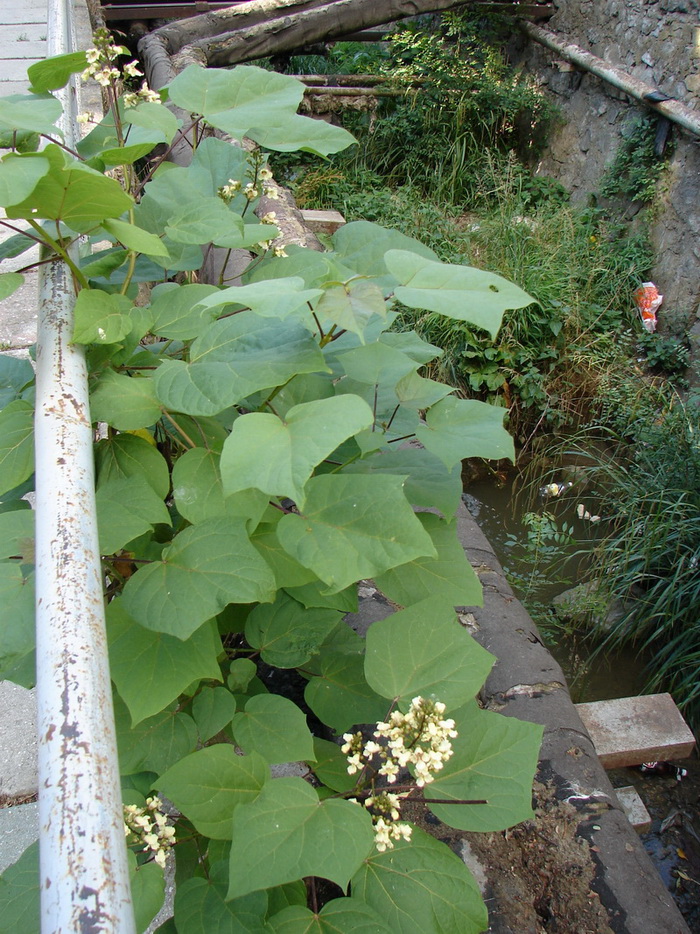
<point>151,669</point>
<point>297,132</point>
<point>199,492</point>
<point>126,508</point>
<point>428,482</point>
<point>460,292</point>
<point>15,376</point>
<point>178,310</point>
<point>421,886</point>
<point>124,402</point>
<point>206,567</point>
<point>20,893</point>
<point>155,744</point>
<point>376,363</point>
<point>362,245</point>
<point>278,456</point>
<point>425,651</point>
<point>286,633</point>
<point>17,535</point>
<point>341,696</point>
<point>308,837</point>
<point>494,759</point>
<point>153,116</point>
<point>288,572</point>
<point>9,283</point>
<point>54,73</point>
<point>450,576</point>
<point>19,176</point>
<point>208,784</point>
<point>351,305</point>
<point>367,520</point>
<point>339,916</point>
<point>213,709</point>
<point>16,444</point>
<point>242,97</point>
<point>207,221</point>
<point>275,728</point>
<point>73,193</point>
<point>331,766</point>
<point>129,456</point>
<point>275,298</point>
<point>17,619</point>
<point>101,318</point>
<point>220,161</point>
<point>201,908</point>
<point>147,890</point>
<point>30,112</point>
<point>135,238</point>
<point>459,428</point>
<point>233,359</point>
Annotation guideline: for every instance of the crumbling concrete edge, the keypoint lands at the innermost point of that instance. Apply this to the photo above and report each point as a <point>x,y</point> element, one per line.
<point>526,682</point>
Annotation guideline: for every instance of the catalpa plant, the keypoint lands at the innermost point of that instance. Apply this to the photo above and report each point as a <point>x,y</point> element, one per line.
<point>263,449</point>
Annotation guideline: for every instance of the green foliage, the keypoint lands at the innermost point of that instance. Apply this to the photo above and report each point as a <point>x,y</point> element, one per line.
<point>635,171</point>
<point>648,488</point>
<point>252,475</point>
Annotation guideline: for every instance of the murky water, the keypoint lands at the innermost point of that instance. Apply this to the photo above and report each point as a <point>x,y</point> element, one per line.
<point>500,511</point>
<point>674,840</point>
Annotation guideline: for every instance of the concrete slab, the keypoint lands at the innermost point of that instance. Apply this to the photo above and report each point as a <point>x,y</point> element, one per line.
<point>15,69</point>
<point>29,11</point>
<point>18,746</point>
<point>634,808</point>
<point>21,32</point>
<point>19,828</point>
<point>326,222</point>
<point>632,730</point>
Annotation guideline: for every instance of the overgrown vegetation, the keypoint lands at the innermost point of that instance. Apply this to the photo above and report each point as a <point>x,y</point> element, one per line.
<point>252,475</point>
<point>451,164</point>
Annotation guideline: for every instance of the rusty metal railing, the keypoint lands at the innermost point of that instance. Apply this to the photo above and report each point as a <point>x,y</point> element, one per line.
<point>84,873</point>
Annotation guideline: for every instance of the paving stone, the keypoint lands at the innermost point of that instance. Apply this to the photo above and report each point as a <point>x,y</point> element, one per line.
<point>632,730</point>
<point>19,827</point>
<point>634,808</point>
<point>18,755</point>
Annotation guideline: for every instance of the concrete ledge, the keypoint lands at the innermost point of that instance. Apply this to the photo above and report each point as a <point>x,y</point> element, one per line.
<point>326,222</point>
<point>634,808</point>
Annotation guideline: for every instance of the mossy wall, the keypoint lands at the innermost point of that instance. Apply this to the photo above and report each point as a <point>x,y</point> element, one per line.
<point>657,41</point>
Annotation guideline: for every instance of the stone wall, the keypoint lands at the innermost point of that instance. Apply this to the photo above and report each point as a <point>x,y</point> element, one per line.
<point>657,41</point>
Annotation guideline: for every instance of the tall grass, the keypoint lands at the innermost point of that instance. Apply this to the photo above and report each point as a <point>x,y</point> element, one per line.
<point>648,487</point>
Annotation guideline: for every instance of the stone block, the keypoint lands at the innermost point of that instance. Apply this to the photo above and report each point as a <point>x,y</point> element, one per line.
<point>631,730</point>
<point>634,808</point>
<point>326,222</point>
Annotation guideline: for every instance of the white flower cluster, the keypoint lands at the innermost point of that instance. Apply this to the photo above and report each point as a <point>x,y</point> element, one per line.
<point>102,67</point>
<point>149,826</point>
<point>384,808</point>
<point>420,737</point>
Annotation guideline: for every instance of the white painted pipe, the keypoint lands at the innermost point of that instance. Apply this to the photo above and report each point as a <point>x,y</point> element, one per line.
<point>83,868</point>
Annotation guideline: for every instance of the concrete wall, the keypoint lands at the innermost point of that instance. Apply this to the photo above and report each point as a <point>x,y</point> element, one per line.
<point>657,41</point>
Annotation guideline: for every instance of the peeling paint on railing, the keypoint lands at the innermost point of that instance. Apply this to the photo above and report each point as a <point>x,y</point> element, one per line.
<point>84,874</point>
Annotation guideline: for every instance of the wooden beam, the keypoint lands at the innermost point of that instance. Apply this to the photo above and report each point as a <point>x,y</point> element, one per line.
<point>171,10</point>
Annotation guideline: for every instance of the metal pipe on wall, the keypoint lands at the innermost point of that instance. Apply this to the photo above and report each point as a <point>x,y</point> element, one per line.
<point>646,94</point>
<point>83,863</point>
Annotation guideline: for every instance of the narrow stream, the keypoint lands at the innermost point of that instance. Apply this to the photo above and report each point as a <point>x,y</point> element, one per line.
<point>673,843</point>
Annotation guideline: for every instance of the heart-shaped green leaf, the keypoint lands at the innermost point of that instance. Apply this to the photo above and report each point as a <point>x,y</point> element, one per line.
<point>400,663</point>
<point>275,728</point>
<point>308,837</point>
<point>278,456</point>
<point>460,292</point>
<point>494,759</point>
<point>151,669</point>
<point>420,886</point>
<point>208,784</point>
<point>207,567</point>
<point>367,518</point>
